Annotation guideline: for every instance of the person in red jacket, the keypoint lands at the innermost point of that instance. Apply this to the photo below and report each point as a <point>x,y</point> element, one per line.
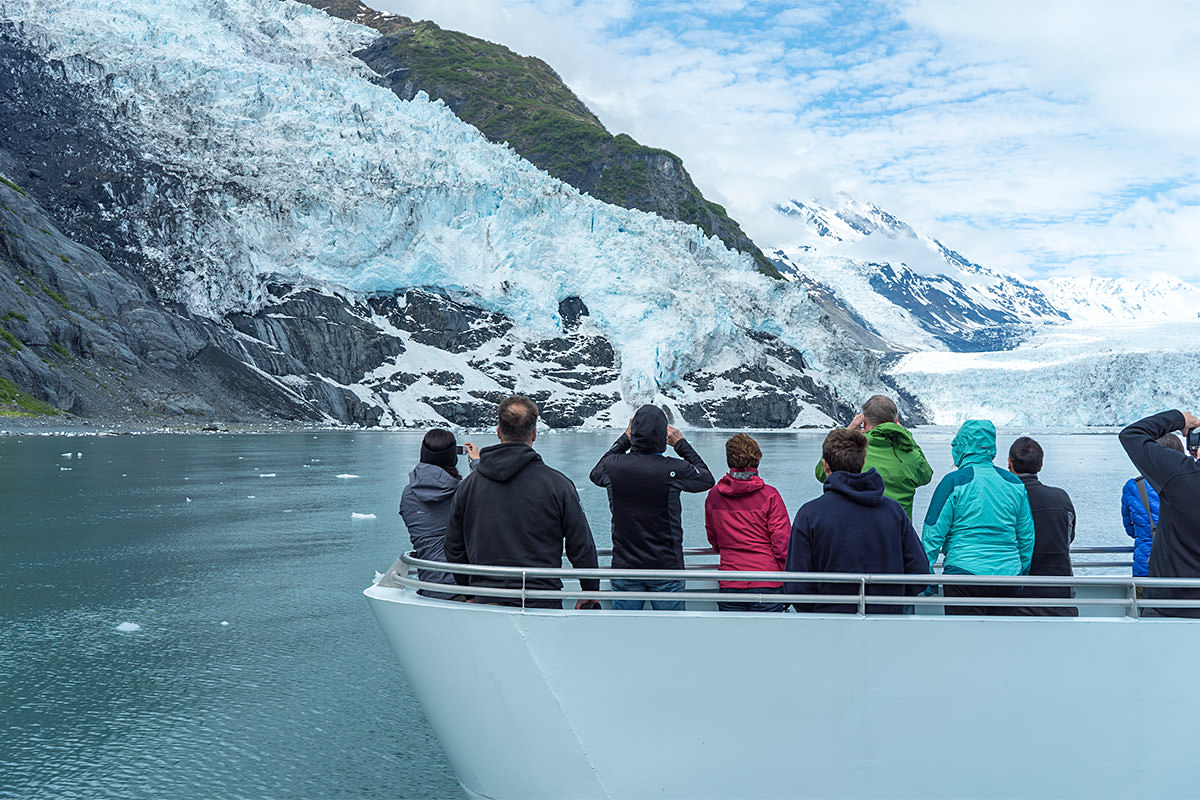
<point>747,524</point>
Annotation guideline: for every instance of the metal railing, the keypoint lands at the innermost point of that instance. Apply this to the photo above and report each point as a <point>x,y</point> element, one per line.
<point>1095,595</point>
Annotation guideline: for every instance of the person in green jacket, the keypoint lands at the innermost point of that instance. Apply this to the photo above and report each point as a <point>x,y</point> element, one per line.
<point>891,450</point>
<point>979,517</point>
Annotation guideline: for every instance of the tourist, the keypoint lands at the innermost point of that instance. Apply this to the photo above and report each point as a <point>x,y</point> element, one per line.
<point>1053,528</point>
<point>643,495</point>
<point>853,527</point>
<point>425,501</point>
<point>891,451</point>
<point>980,518</point>
<point>513,510</point>
<point>1176,478</point>
<point>747,523</point>
<point>1139,512</point>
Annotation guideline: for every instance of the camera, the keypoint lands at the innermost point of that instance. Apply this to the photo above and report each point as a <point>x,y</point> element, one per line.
<point>1193,440</point>
<point>459,449</point>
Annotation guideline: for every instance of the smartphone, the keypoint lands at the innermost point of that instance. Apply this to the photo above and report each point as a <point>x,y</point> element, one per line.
<point>459,450</point>
<point>1193,439</point>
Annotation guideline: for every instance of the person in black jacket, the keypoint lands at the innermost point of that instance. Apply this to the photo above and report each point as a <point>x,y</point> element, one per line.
<point>515,511</point>
<point>1053,528</point>
<point>643,495</point>
<point>853,527</point>
<point>1175,476</point>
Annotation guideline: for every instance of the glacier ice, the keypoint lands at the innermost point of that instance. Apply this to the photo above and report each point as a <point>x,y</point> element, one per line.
<point>357,515</point>
<point>129,627</point>
<point>294,162</point>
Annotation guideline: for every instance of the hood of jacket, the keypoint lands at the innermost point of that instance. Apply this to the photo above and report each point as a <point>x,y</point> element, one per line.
<point>975,443</point>
<point>430,483</point>
<point>890,434</point>
<point>864,488</point>
<point>648,432</point>
<point>730,486</point>
<point>501,462</point>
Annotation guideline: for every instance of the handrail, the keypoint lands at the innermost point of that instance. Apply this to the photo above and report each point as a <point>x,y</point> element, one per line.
<point>1126,598</point>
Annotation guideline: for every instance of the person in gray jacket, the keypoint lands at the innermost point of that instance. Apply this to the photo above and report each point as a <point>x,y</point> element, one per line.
<point>425,502</point>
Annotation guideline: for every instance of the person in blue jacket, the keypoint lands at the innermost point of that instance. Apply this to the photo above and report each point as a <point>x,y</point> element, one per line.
<point>1139,520</point>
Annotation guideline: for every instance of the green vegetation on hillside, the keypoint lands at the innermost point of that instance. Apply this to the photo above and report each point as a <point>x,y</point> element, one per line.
<point>14,402</point>
<point>12,186</point>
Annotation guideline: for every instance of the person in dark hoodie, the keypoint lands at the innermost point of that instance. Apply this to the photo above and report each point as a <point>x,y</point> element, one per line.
<point>1053,528</point>
<point>425,501</point>
<point>643,494</point>
<point>1176,478</point>
<point>515,511</point>
<point>853,527</point>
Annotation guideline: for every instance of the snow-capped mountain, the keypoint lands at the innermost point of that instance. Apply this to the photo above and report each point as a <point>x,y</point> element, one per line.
<point>247,147</point>
<point>925,295</point>
<point>1099,300</point>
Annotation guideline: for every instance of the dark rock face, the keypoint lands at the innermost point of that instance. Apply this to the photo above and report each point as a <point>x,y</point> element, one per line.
<point>571,310</point>
<point>440,322</point>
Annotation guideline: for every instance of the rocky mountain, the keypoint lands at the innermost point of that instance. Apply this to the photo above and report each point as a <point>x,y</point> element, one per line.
<point>521,101</point>
<point>897,280</point>
<point>242,224</point>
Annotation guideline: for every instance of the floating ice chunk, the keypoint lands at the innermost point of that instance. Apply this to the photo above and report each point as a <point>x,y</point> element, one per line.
<point>79,455</point>
<point>266,474</point>
<point>129,627</point>
<point>356,515</point>
<point>223,622</point>
<point>347,476</point>
<point>241,458</point>
<point>64,469</point>
<point>249,497</point>
<point>65,455</point>
<point>188,499</point>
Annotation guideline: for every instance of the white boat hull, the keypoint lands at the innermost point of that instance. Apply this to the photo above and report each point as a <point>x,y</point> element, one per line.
<point>547,704</point>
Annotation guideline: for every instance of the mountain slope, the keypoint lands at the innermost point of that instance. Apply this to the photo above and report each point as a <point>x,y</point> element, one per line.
<point>925,295</point>
<point>235,158</point>
<point>521,101</point>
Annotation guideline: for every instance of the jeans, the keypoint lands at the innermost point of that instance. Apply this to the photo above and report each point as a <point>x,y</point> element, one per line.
<point>633,585</point>
<point>754,605</point>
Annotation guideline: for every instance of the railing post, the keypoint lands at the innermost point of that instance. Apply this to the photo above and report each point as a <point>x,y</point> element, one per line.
<point>1133,599</point>
<point>523,590</point>
<point>862,597</point>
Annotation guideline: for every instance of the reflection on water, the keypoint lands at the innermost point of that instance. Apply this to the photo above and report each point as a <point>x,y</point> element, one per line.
<point>257,670</point>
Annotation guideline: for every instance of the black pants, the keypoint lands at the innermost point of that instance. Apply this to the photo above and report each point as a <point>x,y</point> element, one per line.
<point>980,590</point>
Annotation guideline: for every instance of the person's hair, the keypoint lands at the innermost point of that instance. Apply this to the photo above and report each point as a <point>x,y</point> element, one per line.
<point>742,452</point>
<point>880,409</point>
<point>518,419</point>
<point>845,449</point>
<point>438,440</point>
<point>1026,456</point>
<point>1170,440</point>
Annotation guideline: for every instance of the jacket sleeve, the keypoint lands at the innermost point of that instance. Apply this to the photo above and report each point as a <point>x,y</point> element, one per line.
<point>922,472</point>
<point>780,528</point>
<point>581,547</point>
<point>938,520</point>
<point>799,559</point>
<point>709,526</point>
<point>1025,532</point>
<point>456,543</point>
<point>1127,508</point>
<point>1159,464</point>
<point>915,560</point>
<point>599,474</point>
<point>820,471</point>
<point>699,479</point>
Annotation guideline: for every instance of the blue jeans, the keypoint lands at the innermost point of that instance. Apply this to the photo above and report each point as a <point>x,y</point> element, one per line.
<point>632,585</point>
<point>752,606</point>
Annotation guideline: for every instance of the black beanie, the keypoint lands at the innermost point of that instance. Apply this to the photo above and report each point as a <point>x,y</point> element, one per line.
<point>446,459</point>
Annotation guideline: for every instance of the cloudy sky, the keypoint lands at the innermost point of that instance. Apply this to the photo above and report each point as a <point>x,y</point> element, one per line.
<point>1042,137</point>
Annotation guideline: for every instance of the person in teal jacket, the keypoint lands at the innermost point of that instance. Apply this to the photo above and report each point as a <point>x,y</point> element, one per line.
<point>891,450</point>
<point>979,517</point>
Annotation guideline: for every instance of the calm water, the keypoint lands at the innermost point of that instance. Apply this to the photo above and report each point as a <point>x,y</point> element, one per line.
<point>297,695</point>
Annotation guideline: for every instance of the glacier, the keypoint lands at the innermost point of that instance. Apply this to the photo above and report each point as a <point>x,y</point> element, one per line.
<point>295,163</point>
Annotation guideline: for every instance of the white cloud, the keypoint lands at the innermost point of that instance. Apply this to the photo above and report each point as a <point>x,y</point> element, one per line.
<point>1033,136</point>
